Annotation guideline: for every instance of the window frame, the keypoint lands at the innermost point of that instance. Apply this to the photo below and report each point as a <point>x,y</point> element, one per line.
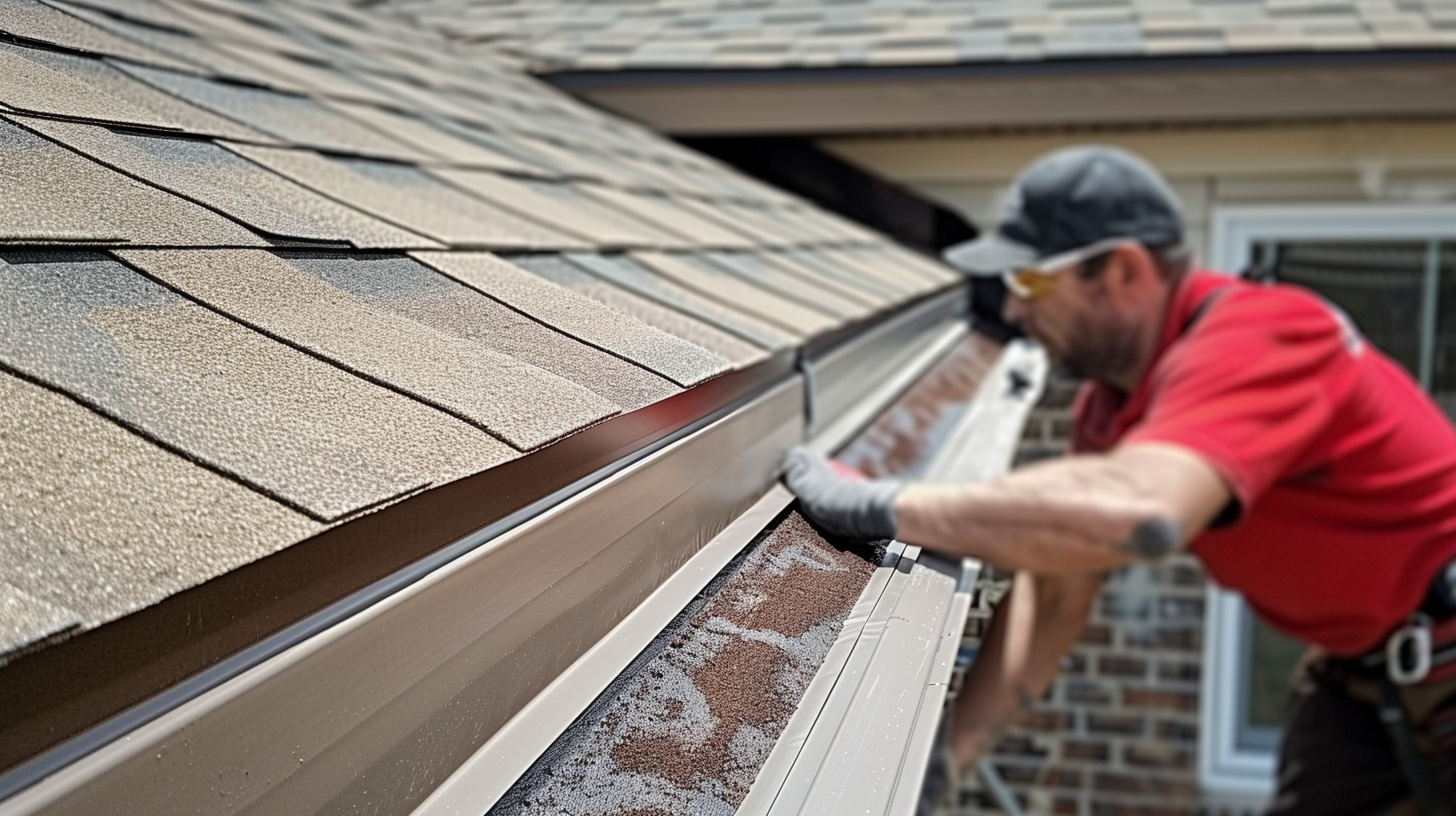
<point>1224,767</point>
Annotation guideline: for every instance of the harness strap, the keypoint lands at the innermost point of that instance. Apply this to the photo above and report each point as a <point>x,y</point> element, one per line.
<point>1417,770</point>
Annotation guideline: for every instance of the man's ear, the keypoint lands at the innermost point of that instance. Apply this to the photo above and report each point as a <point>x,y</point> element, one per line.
<point>1131,268</point>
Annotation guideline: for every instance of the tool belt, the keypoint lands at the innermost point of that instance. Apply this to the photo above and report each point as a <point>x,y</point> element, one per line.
<point>1412,680</point>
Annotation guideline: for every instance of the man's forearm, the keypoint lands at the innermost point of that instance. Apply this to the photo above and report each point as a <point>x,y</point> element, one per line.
<point>1079,514</point>
<point>1032,630</point>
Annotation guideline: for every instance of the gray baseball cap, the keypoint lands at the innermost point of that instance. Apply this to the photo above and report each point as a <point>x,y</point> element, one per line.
<point>1069,199</point>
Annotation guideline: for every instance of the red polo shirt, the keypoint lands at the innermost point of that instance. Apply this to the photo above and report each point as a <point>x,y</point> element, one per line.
<point>1343,469</point>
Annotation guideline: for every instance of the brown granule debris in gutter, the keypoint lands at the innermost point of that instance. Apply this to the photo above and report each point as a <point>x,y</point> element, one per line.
<point>688,731</point>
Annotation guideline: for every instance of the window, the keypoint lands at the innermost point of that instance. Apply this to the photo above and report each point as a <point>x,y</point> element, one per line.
<point>1393,270</point>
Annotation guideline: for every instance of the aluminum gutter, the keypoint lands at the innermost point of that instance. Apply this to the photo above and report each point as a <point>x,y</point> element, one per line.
<point>863,736</point>
<point>458,643</point>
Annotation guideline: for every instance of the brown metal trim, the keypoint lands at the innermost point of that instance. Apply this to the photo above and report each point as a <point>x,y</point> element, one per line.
<point>53,695</point>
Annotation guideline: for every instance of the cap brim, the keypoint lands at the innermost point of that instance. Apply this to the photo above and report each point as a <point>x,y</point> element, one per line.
<point>989,255</point>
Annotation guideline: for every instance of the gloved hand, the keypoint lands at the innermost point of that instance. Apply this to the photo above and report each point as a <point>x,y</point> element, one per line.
<point>861,510</point>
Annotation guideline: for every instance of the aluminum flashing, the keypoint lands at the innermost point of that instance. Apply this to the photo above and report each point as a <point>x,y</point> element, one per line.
<point>523,405</point>
<point>409,197</point>
<point>53,195</point>
<point>563,272</point>
<point>205,173</point>
<point>581,317</point>
<point>412,290</point>
<point>565,578</point>
<point>181,523</point>
<point>294,428</point>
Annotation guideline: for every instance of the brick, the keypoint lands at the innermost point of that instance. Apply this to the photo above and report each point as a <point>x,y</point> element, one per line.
<point>1119,606</point>
<point>1058,776</point>
<point>1186,575</point>
<point>1083,751</point>
<point>1021,745</point>
<point>1163,757</point>
<point>1125,725</point>
<point>1145,784</point>
<point>1047,720</point>
<point>1163,699</point>
<point>1087,693</point>
<point>1176,731</point>
<point>1096,634</point>
<point>1074,665</point>
<point>1063,806</point>
<point>1179,671</point>
<point>1174,638</point>
<point>1124,667</point>
<point>1017,774</point>
<point>1101,807</point>
<point>1179,609</point>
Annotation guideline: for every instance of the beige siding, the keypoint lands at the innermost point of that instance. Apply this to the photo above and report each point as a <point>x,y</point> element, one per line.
<point>1402,161</point>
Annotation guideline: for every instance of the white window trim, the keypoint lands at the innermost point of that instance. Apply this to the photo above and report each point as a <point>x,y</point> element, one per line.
<point>1224,768</point>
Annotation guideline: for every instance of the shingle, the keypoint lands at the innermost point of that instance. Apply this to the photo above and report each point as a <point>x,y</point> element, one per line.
<point>518,403</point>
<point>205,173</point>
<point>97,521</point>
<point>25,620</point>
<point>428,138</point>
<point>408,197</point>
<point>186,52</point>
<point>561,207</point>
<point>898,258</point>
<point>292,427</point>
<point>713,281</point>
<point>751,267</point>
<point>302,76</point>
<point>897,282</point>
<point>49,194</point>
<point>31,20</point>
<point>563,272</point>
<point>625,272</point>
<point>409,289</point>
<point>853,282</point>
<point>294,119</point>
<point>667,214</point>
<point>583,318</point>
<point>31,86</point>
<point>131,102</point>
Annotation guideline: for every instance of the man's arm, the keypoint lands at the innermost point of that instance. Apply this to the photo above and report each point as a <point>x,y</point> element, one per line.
<point>1079,514</point>
<point>1033,628</point>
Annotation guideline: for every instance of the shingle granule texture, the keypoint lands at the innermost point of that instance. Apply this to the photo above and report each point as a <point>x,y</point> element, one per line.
<point>31,86</point>
<point>558,205</point>
<point>523,405</point>
<point>857,283</point>
<point>49,194</point>
<point>131,102</point>
<point>295,119</point>
<point>287,424</point>
<point>409,197</point>
<point>412,290</point>
<point>632,276</point>
<point>205,173</point>
<point>688,731</point>
<point>31,20</point>
<point>754,270</point>
<point>99,522</point>
<point>430,140</point>
<point>711,280</point>
<point>583,318</point>
<point>27,621</point>
<point>667,214</point>
<point>563,272</point>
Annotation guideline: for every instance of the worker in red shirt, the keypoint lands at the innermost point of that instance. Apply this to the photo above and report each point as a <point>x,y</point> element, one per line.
<point>1246,422</point>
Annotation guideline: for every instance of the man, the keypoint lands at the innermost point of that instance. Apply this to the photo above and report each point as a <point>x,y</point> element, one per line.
<point>1249,423</point>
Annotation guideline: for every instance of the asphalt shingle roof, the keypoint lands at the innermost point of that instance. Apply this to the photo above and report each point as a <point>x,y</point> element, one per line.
<point>729,34</point>
<point>251,283</point>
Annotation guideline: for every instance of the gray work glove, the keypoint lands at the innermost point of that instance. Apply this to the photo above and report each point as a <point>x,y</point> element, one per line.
<point>852,508</point>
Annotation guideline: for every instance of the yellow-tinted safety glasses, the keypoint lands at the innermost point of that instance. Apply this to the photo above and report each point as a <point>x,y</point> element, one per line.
<point>1036,282</point>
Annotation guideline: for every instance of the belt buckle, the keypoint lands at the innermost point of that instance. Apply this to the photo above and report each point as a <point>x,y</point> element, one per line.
<point>1408,651</point>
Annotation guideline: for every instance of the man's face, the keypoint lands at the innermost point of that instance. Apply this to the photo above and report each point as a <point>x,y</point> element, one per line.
<point>1083,327</point>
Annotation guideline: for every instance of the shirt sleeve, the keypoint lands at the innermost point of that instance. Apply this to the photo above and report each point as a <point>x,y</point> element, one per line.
<point>1250,388</point>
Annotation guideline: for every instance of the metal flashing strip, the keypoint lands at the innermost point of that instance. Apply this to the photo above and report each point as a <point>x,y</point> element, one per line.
<point>885,358</point>
<point>452,656</point>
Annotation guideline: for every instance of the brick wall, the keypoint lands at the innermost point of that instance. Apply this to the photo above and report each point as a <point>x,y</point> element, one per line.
<point>1117,734</point>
